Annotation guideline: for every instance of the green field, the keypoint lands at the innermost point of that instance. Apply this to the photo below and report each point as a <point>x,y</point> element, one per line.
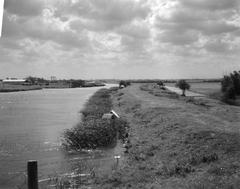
<point>16,88</point>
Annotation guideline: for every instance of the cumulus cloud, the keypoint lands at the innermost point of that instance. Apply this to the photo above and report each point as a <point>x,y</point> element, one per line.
<point>212,5</point>
<point>105,15</point>
<point>108,35</point>
<point>24,7</point>
<point>199,23</point>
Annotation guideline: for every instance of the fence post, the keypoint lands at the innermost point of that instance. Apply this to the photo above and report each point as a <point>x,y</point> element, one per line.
<point>32,170</point>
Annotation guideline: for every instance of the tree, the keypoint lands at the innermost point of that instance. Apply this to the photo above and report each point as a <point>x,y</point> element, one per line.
<point>183,85</point>
<point>230,86</point>
<point>77,83</point>
<point>160,83</point>
<point>128,83</point>
<point>36,80</point>
<point>124,83</point>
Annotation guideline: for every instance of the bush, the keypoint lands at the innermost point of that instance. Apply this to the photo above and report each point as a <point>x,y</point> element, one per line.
<point>77,83</point>
<point>230,86</point>
<point>90,134</point>
<point>183,85</point>
<point>160,83</point>
<point>124,83</point>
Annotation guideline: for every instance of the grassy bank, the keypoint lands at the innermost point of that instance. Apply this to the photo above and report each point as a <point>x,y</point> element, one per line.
<point>93,131</point>
<point>177,143</point>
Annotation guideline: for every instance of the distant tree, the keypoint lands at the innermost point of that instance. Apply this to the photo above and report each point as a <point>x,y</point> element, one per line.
<point>183,85</point>
<point>31,80</point>
<point>128,83</point>
<point>35,80</point>
<point>122,83</point>
<point>77,83</point>
<point>160,83</point>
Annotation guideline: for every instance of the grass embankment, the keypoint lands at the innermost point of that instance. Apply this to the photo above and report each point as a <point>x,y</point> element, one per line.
<point>17,88</point>
<point>177,143</point>
<point>93,131</point>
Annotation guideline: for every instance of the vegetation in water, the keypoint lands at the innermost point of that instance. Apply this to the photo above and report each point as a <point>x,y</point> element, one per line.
<point>93,131</point>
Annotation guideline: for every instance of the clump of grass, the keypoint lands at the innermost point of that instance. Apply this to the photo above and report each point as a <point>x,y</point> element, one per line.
<point>93,132</point>
<point>90,134</point>
<point>175,169</point>
<point>214,141</point>
<point>97,105</point>
<point>222,169</point>
<point>203,149</point>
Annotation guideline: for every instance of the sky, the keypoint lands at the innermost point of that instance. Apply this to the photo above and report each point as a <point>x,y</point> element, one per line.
<point>120,39</point>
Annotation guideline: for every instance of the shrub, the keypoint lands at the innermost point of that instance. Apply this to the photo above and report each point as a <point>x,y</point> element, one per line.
<point>124,83</point>
<point>160,83</point>
<point>230,86</point>
<point>90,134</point>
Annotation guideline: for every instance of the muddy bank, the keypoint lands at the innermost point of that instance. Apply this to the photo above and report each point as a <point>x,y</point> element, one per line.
<point>176,142</point>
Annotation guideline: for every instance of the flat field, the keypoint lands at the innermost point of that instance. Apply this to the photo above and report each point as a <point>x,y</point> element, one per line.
<point>15,88</point>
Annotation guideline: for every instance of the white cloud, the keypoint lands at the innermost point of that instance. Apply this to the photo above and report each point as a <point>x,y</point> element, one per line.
<point>76,38</point>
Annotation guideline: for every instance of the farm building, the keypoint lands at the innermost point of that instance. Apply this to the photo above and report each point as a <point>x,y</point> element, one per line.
<point>14,81</point>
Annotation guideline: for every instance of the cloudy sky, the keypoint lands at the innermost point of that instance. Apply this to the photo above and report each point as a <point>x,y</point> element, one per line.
<point>120,38</point>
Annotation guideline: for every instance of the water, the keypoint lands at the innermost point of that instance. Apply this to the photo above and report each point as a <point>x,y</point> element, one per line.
<point>187,93</point>
<point>31,124</point>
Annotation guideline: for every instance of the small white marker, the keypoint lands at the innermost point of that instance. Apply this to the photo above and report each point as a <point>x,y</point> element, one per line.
<point>117,157</point>
<point>1,15</point>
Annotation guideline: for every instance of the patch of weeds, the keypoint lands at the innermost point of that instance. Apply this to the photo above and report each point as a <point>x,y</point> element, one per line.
<point>196,159</point>
<point>208,182</point>
<point>175,169</point>
<point>93,132</point>
<point>145,87</point>
<point>199,102</point>
<point>224,169</point>
<point>213,141</point>
<point>120,94</point>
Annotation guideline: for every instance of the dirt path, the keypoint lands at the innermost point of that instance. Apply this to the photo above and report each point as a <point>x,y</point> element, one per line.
<point>177,142</point>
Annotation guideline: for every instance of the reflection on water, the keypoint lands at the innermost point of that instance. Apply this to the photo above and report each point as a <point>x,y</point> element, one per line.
<point>31,124</point>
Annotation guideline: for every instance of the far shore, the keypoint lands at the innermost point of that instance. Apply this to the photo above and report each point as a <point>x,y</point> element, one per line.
<point>19,88</point>
<point>15,88</point>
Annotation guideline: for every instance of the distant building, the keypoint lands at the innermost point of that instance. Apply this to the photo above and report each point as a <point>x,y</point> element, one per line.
<point>14,81</point>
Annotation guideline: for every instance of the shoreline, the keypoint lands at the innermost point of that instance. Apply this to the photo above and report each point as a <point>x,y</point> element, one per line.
<point>18,90</point>
<point>9,90</point>
<point>93,131</point>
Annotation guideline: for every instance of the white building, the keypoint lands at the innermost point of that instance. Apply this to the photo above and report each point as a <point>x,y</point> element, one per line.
<point>14,81</point>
